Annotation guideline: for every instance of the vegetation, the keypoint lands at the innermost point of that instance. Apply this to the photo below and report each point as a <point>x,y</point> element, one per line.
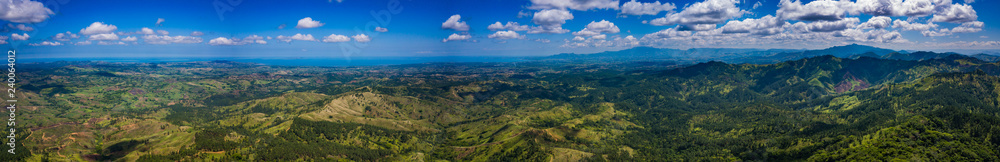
<point>822,108</point>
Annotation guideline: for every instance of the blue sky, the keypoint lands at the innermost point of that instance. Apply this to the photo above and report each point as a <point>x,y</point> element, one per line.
<point>347,28</point>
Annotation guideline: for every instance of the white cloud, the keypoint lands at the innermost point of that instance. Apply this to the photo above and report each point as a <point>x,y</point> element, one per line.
<point>706,12</point>
<point>454,23</point>
<point>362,38</point>
<point>110,43</point>
<point>509,26</point>
<point>579,38</point>
<point>639,8</point>
<point>905,25</point>
<point>767,25</point>
<point>3,39</point>
<point>98,28</point>
<point>308,22</point>
<point>598,27</point>
<point>913,8</point>
<point>146,31</point>
<point>697,27</point>
<point>46,43</point>
<point>582,5</point>
<point>550,21</point>
<point>162,32</point>
<point>506,35</point>
<point>877,22</point>
<point>197,33</point>
<point>104,37</point>
<point>297,36</point>
<point>130,39</point>
<point>381,29</point>
<point>23,11</point>
<point>826,26</point>
<point>968,27</point>
<point>820,10</point>
<point>336,38</point>
<point>23,36</point>
<point>223,41</point>
<point>457,37</point>
<point>82,43</point>
<point>601,41</point>
<point>21,27</point>
<point>958,13</point>
<point>65,36</point>
<point>165,39</point>
<point>970,1</point>
<point>159,21</point>
<point>878,35</point>
<point>670,33</point>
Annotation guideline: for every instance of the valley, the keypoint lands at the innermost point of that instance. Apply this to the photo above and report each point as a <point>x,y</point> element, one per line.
<point>786,105</point>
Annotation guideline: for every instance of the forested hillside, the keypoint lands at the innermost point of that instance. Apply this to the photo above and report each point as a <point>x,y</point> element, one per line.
<point>822,108</point>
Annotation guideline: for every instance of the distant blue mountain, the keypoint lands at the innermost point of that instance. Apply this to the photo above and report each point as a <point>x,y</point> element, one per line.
<point>756,56</point>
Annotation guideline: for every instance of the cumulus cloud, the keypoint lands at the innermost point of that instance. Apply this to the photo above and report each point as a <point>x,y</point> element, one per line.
<point>23,11</point>
<point>165,39</point>
<point>381,29</point>
<point>820,10</point>
<point>220,41</point>
<point>162,32</point>
<point>457,37</point>
<point>877,22</point>
<point>297,36</point>
<point>506,35</point>
<point>826,26</point>
<point>878,35</point>
<point>98,28</point>
<point>582,5</point>
<point>197,33</point>
<point>46,43</point>
<point>968,27</point>
<point>336,38</point>
<point>598,27</point>
<point>146,31</point>
<point>671,33</point>
<point>362,38</point>
<point>23,36</point>
<point>509,26</point>
<point>104,37</point>
<point>64,36</point>
<point>254,39</point>
<point>958,13</point>
<point>767,25</point>
<point>130,39</point>
<point>550,21</point>
<point>454,23</point>
<point>82,43</point>
<point>159,21</point>
<point>899,7</point>
<point>308,22</point>
<point>639,8</point>
<point>905,25</point>
<point>21,27</point>
<point>110,43</point>
<point>602,41</point>
<point>706,12</point>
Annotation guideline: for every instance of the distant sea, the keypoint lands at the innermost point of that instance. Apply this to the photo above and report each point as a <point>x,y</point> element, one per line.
<point>336,62</point>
